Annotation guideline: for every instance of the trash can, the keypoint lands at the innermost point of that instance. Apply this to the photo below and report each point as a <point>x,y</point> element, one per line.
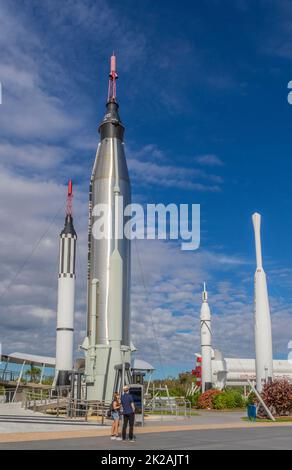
<point>252,412</point>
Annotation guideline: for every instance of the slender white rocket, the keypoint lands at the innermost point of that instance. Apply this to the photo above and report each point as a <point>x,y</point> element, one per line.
<point>66,297</point>
<point>262,317</point>
<point>206,339</point>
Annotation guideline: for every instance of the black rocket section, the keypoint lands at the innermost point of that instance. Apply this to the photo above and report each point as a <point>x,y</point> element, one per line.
<point>69,227</point>
<point>111,125</point>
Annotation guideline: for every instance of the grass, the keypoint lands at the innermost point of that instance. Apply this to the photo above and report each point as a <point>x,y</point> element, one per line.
<point>226,410</point>
<point>168,413</point>
<point>283,419</point>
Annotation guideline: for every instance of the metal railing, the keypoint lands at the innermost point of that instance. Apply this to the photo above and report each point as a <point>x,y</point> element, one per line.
<point>40,399</point>
<point>7,395</point>
<point>166,406</point>
<point>88,409</point>
<point>62,405</point>
<point>8,375</point>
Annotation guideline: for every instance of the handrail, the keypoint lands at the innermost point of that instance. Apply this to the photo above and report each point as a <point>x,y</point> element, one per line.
<point>171,405</point>
<point>73,408</point>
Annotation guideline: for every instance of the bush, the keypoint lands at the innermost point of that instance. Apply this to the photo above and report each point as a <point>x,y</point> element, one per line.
<point>176,392</point>
<point>278,397</point>
<point>228,399</point>
<point>252,399</point>
<point>205,400</point>
<point>194,399</point>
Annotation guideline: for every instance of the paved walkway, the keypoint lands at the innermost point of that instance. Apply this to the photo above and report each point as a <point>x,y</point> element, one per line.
<point>16,420</point>
<point>19,426</point>
<point>230,439</point>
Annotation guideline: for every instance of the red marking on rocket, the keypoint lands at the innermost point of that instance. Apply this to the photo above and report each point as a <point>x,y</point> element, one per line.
<point>69,198</point>
<point>70,188</point>
<point>112,78</point>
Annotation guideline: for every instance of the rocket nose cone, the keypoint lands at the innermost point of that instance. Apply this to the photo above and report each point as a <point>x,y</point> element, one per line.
<point>69,227</point>
<point>256,218</point>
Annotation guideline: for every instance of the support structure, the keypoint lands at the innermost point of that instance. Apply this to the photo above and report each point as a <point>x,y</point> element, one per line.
<point>261,401</point>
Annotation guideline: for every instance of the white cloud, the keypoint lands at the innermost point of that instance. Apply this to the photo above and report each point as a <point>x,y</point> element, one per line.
<point>35,157</point>
<point>209,160</point>
<point>168,176</point>
<point>33,118</point>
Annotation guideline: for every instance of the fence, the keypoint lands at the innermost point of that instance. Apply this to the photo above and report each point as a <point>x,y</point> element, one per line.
<point>61,404</point>
<point>8,375</point>
<point>174,406</point>
<point>7,395</point>
<point>87,409</point>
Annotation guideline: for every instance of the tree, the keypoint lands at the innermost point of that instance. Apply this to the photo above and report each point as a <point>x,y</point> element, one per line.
<point>34,373</point>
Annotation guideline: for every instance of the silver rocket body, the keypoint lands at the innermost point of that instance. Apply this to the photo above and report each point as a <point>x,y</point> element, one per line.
<point>66,301</point>
<point>206,343</point>
<point>262,316</point>
<point>109,258</point>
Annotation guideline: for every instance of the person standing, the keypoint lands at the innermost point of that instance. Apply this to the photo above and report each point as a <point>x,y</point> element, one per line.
<point>116,409</point>
<point>128,414</point>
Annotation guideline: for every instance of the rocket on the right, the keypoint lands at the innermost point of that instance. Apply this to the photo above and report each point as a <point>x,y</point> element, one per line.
<point>263,327</point>
<point>206,342</point>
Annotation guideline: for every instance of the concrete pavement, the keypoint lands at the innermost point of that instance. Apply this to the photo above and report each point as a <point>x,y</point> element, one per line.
<point>279,438</point>
<point>25,429</point>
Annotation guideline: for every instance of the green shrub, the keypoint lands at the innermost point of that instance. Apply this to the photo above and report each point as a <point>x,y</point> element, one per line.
<point>194,399</point>
<point>228,399</point>
<point>219,402</point>
<point>176,392</point>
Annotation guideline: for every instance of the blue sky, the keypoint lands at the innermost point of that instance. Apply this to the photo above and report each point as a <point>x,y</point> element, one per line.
<point>203,96</point>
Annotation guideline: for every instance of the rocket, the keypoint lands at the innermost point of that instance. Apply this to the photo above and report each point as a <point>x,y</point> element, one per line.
<point>206,338</point>
<point>66,296</point>
<point>262,317</point>
<point>107,345</point>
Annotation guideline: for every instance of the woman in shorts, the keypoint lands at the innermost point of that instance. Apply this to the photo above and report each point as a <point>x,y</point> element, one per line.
<point>116,416</point>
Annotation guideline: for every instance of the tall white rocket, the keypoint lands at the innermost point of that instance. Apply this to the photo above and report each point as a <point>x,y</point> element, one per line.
<point>262,317</point>
<point>206,338</point>
<point>66,297</point>
<point>107,345</point>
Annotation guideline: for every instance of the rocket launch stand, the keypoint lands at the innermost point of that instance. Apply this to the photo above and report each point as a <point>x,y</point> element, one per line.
<point>109,371</point>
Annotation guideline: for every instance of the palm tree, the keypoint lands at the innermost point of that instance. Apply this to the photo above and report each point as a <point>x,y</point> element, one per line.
<point>34,373</point>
